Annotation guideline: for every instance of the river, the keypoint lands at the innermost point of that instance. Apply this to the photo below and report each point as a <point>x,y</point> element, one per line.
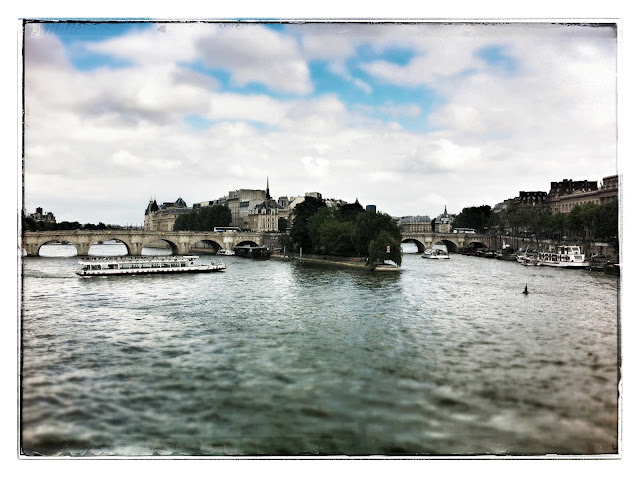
<point>279,358</point>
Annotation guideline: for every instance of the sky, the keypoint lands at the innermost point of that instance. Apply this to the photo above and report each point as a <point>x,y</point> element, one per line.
<point>411,116</point>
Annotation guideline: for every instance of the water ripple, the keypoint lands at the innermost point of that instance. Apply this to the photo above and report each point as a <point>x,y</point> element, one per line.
<point>280,358</point>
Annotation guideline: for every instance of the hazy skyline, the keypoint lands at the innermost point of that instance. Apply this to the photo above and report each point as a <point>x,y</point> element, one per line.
<point>410,117</point>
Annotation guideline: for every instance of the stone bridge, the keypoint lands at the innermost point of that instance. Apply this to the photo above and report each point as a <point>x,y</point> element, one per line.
<point>181,242</point>
<point>454,242</point>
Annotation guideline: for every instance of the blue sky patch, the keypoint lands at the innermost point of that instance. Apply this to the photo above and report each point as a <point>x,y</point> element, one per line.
<point>494,56</point>
<point>198,122</point>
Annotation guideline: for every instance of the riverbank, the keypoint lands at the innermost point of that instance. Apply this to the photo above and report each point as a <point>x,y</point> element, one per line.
<point>357,262</point>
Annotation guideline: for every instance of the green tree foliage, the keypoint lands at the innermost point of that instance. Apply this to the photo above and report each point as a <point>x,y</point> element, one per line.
<point>314,224</point>
<point>368,226</point>
<point>606,226</point>
<point>204,219</point>
<point>350,212</point>
<point>585,221</point>
<point>473,217</point>
<point>336,238</point>
<point>282,224</point>
<point>343,232</point>
<point>29,224</point>
<point>378,248</point>
<point>575,222</point>
<point>299,232</point>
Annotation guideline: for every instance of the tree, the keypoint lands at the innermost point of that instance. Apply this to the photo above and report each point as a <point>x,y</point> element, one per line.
<point>575,221</point>
<point>303,211</point>
<point>204,219</point>
<point>368,227</point>
<point>28,224</point>
<point>588,216</point>
<point>558,225</point>
<point>282,224</point>
<point>315,223</point>
<point>473,217</point>
<point>606,227</point>
<point>350,212</point>
<point>335,237</point>
<point>378,248</point>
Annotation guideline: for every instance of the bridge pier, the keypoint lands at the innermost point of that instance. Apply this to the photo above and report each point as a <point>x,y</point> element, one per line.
<point>30,249</point>
<point>135,248</point>
<point>82,248</point>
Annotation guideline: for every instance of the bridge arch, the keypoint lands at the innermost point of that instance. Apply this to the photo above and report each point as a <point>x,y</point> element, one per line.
<point>38,247</point>
<point>246,243</point>
<point>214,245</point>
<point>451,246</point>
<point>419,244</point>
<point>100,239</point>
<point>149,243</point>
<point>478,245</point>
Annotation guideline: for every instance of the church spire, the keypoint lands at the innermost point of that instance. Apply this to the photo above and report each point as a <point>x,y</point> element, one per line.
<point>268,195</point>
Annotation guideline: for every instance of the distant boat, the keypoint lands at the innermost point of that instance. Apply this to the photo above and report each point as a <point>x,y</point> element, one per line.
<point>528,261</point>
<point>226,252</point>
<point>254,252</point>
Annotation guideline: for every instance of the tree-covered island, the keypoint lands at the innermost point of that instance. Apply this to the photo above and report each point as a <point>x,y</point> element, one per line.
<point>345,231</point>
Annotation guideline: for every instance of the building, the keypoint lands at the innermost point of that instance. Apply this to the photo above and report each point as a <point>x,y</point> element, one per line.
<point>241,201</point>
<point>410,224</point>
<point>263,215</point>
<point>370,208</point>
<point>565,195</point>
<point>335,202</point>
<point>40,216</point>
<point>530,199</point>
<point>162,218</point>
<point>443,222</point>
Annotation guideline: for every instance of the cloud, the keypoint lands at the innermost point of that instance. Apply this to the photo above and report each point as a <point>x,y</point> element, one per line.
<point>489,131</point>
<point>254,53</point>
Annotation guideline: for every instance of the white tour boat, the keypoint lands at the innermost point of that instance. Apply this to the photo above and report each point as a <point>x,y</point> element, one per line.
<point>107,266</point>
<point>438,252</point>
<point>226,252</point>
<point>570,257</point>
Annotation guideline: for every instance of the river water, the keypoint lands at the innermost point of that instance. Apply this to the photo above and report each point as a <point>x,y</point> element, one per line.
<point>279,358</point>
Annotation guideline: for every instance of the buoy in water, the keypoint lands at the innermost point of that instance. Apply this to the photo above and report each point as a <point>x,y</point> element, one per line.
<point>525,291</point>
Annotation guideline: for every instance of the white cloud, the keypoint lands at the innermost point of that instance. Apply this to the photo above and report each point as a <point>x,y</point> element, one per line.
<point>254,53</point>
<point>491,135</point>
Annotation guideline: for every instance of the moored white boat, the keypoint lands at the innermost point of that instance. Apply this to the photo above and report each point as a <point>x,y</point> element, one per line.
<point>107,266</point>
<point>226,252</point>
<point>569,257</point>
<point>386,266</point>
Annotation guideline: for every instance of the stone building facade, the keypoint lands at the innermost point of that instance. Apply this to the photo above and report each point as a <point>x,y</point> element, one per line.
<point>163,217</point>
<point>40,216</point>
<point>565,195</point>
<point>443,222</point>
<point>409,224</point>
<point>240,202</point>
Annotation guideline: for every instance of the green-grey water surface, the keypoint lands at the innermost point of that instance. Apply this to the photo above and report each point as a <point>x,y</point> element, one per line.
<point>278,358</point>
